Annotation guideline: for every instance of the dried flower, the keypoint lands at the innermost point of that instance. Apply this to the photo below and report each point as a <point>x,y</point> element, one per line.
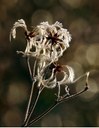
<point>49,41</point>
<point>46,43</point>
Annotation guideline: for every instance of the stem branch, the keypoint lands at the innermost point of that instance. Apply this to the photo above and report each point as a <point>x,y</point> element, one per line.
<point>57,103</point>
<point>33,107</point>
<point>29,102</point>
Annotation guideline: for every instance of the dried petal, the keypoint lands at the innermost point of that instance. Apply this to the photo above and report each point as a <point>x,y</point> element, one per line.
<point>64,80</point>
<point>71,74</point>
<point>19,23</point>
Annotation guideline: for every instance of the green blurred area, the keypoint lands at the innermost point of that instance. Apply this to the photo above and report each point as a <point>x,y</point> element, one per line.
<point>81,18</point>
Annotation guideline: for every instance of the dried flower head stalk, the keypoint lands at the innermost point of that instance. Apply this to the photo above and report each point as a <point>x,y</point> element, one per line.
<point>47,43</point>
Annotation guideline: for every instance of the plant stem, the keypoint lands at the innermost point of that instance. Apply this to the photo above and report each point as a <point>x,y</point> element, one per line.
<point>43,114</point>
<point>29,102</point>
<point>55,104</point>
<point>33,107</point>
<point>34,68</point>
<point>29,67</point>
<point>32,75</point>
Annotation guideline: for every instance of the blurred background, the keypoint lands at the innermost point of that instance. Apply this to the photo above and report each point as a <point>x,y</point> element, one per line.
<point>81,18</point>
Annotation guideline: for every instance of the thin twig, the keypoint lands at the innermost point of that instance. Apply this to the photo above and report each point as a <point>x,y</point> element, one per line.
<point>30,98</point>
<point>85,74</point>
<point>29,67</point>
<point>43,114</point>
<point>29,102</point>
<point>32,88</point>
<point>60,101</point>
<point>34,68</point>
<point>74,95</point>
<point>33,107</point>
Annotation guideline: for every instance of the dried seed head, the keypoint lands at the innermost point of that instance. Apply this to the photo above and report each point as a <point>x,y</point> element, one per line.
<point>49,79</point>
<point>49,41</point>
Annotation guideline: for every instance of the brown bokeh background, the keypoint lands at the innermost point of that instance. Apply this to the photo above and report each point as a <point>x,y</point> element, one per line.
<point>81,18</point>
